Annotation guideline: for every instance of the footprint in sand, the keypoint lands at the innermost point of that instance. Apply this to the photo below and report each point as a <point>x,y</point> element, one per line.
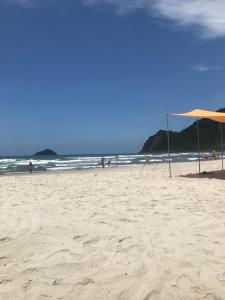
<point>57,282</point>
<point>221,278</point>
<point>90,242</point>
<point>27,284</point>
<point>86,281</point>
<point>43,296</point>
<point>126,220</point>
<point>152,294</point>
<point>32,270</point>
<point>78,237</point>
<point>125,238</point>
<point>3,261</point>
<point>5,239</point>
<point>4,281</point>
<point>200,293</point>
<point>3,258</point>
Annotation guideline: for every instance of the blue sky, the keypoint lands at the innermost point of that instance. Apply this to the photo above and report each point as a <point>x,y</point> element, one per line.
<point>97,76</point>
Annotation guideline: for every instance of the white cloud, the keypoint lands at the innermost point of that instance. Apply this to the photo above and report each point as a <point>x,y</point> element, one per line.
<point>205,68</point>
<point>207,15</point>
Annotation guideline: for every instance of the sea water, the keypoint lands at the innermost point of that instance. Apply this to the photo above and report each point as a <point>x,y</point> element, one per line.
<point>80,162</point>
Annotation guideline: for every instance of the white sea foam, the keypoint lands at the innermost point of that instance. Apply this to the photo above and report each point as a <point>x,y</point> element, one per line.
<point>63,161</point>
<point>132,155</point>
<point>6,160</point>
<point>91,167</point>
<point>34,162</point>
<point>22,163</point>
<point>71,168</point>
<point>126,161</point>
<point>89,158</point>
<point>60,168</point>
<point>126,158</point>
<point>40,162</point>
<point>75,165</point>
<point>156,160</point>
<point>90,163</point>
<point>63,165</point>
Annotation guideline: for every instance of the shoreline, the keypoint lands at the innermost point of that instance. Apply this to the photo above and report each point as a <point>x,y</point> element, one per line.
<point>21,165</point>
<point>113,167</point>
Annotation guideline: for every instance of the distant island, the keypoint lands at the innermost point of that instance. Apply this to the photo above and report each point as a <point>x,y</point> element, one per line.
<point>186,140</point>
<point>46,152</point>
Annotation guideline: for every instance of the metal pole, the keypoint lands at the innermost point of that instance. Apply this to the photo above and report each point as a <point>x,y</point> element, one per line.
<point>168,141</point>
<point>199,155</point>
<point>221,141</point>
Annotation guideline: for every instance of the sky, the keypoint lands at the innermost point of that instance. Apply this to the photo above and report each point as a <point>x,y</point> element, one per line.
<point>98,76</point>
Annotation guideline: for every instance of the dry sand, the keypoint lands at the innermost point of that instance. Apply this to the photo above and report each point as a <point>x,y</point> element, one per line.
<point>113,234</point>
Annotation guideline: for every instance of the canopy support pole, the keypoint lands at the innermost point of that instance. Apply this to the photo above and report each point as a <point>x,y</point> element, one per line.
<point>168,143</point>
<point>221,141</point>
<point>199,155</point>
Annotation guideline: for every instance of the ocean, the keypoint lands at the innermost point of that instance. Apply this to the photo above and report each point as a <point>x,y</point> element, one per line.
<point>20,164</point>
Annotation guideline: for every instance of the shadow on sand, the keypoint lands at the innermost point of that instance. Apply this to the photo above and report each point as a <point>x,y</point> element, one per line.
<point>210,175</point>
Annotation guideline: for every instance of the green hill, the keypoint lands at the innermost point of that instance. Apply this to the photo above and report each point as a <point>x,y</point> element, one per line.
<point>186,140</point>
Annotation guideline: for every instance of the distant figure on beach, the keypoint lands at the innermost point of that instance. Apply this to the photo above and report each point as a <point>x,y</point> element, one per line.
<point>116,159</point>
<point>147,160</point>
<point>214,154</point>
<point>109,163</point>
<point>30,167</point>
<point>103,162</point>
<point>205,156</point>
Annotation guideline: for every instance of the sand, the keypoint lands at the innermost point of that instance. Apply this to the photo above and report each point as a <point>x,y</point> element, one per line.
<point>113,234</point>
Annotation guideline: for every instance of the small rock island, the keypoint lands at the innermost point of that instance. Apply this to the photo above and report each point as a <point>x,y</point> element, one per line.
<point>46,152</point>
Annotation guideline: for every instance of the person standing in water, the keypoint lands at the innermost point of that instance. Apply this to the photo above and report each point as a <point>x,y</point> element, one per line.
<point>147,160</point>
<point>103,162</point>
<point>30,167</point>
<point>117,159</point>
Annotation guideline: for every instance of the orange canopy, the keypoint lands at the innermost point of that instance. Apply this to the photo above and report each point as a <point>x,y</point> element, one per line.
<point>199,113</point>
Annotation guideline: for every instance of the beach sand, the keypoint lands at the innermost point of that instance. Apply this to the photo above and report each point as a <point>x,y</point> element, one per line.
<point>113,234</point>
